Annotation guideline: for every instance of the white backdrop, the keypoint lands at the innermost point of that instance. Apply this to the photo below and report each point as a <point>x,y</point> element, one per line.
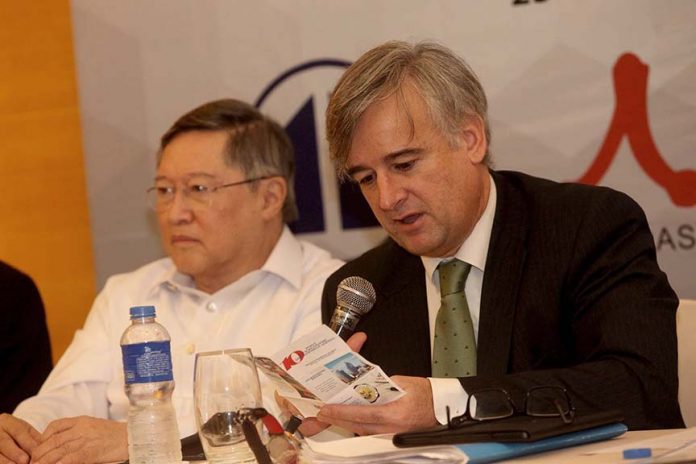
<point>552,70</point>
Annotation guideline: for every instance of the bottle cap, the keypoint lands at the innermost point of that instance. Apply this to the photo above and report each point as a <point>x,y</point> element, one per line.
<point>637,453</point>
<point>142,311</point>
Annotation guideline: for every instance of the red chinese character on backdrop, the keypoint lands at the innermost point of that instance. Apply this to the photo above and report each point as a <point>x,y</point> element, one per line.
<point>631,119</point>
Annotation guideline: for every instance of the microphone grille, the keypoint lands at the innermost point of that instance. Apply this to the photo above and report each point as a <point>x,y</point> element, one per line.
<point>357,293</point>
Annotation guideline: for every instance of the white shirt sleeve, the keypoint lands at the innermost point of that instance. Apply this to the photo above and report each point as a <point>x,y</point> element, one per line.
<point>448,392</point>
<point>77,384</point>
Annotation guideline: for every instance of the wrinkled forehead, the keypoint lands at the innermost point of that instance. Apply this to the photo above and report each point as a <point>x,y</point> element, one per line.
<point>195,152</point>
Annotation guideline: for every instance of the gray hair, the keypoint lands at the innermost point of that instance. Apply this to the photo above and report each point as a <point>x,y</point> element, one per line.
<point>257,144</point>
<point>451,91</point>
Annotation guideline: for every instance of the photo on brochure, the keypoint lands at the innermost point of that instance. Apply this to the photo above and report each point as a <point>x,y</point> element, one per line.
<point>348,368</point>
<point>378,387</point>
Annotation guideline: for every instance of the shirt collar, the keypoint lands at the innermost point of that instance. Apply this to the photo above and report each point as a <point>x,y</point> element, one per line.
<point>475,248</point>
<point>285,261</point>
<point>172,280</point>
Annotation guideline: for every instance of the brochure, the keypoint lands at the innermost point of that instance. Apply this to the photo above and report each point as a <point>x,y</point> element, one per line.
<point>321,368</point>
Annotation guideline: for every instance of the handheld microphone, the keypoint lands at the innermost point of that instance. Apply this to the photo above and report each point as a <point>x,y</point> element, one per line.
<point>354,298</point>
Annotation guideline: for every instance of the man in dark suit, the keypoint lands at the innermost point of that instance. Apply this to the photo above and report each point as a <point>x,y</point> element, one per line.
<point>560,284</point>
<point>25,349</point>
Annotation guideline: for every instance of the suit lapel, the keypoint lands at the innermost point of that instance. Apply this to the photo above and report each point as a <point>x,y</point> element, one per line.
<point>399,322</point>
<point>504,264</point>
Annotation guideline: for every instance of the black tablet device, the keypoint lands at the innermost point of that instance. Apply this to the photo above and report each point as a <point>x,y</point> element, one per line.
<point>512,429</point>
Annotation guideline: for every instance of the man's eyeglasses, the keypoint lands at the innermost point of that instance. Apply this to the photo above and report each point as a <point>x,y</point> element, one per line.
<point>496,403</point>
<point>160,197</point>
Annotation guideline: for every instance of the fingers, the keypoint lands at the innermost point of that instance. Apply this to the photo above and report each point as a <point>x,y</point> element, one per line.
<point>65,453</point>
<point>58,426</point>
<point>55,440</point>
<point>355,423</point>
<point>10,452</point>
<point>51,449</point>
<point>84,440</point>
<point>311,426</point>
<point>28,437</point>
<point>356,341</point>
<point>412,411</point>
<point>17,439</point>
<point>77,440</point>
<point>362,420</point>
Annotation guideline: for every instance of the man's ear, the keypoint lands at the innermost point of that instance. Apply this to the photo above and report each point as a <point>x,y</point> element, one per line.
<point>274,190</point>
<point>472,137</point>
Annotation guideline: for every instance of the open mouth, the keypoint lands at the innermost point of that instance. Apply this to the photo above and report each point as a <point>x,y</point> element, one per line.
<point>410,219</point>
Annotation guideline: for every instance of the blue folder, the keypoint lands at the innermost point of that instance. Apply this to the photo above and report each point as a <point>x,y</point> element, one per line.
<point>481,453</point>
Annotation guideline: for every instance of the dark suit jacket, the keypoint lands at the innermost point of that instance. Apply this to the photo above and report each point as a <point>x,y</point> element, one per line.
<point>25,350</point>
<point>572,295</point>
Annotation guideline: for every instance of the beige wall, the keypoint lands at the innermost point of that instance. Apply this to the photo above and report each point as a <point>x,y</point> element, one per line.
<point>44,224</point>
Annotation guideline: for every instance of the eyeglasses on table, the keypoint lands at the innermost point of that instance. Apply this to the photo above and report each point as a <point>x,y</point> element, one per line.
<point>496,403</point>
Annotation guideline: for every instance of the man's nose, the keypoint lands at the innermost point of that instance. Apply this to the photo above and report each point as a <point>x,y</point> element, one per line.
<point>391,193</point>
<point>179,208</point>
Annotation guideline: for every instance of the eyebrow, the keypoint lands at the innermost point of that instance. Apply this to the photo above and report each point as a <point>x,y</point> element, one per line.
<point>190,175</point>
<point>389,158</point>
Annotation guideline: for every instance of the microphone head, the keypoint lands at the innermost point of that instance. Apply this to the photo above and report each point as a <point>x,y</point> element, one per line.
<point>356,293</point>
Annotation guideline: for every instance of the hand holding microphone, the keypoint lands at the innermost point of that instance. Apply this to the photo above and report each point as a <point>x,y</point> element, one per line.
<point>355,297</point>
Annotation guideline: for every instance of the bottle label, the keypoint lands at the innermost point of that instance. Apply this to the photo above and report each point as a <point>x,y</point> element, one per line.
<point>147,362</point>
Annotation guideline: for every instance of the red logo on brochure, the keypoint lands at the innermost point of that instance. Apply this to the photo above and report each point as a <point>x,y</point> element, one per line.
<point>293,358</point>
<point>631,120</point>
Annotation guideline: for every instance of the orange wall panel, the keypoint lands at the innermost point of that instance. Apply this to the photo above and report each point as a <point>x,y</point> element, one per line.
<point>44,225</point>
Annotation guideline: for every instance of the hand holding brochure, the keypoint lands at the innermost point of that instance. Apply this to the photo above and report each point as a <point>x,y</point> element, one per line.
<point>320,368</point>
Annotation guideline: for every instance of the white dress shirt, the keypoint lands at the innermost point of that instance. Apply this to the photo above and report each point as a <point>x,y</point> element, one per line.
<point>264,310</point>
<point>449,392</point>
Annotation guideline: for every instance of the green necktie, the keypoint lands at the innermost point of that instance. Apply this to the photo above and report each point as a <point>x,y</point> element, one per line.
<point>454,348</point>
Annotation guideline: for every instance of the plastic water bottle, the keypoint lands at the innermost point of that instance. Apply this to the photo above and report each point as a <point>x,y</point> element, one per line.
<point>153,434</point>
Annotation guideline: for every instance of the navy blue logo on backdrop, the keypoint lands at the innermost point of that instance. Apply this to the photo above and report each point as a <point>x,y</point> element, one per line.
<point>303,131</point>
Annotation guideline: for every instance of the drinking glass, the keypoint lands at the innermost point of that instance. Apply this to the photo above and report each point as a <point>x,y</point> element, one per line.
<point>226,386</point>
